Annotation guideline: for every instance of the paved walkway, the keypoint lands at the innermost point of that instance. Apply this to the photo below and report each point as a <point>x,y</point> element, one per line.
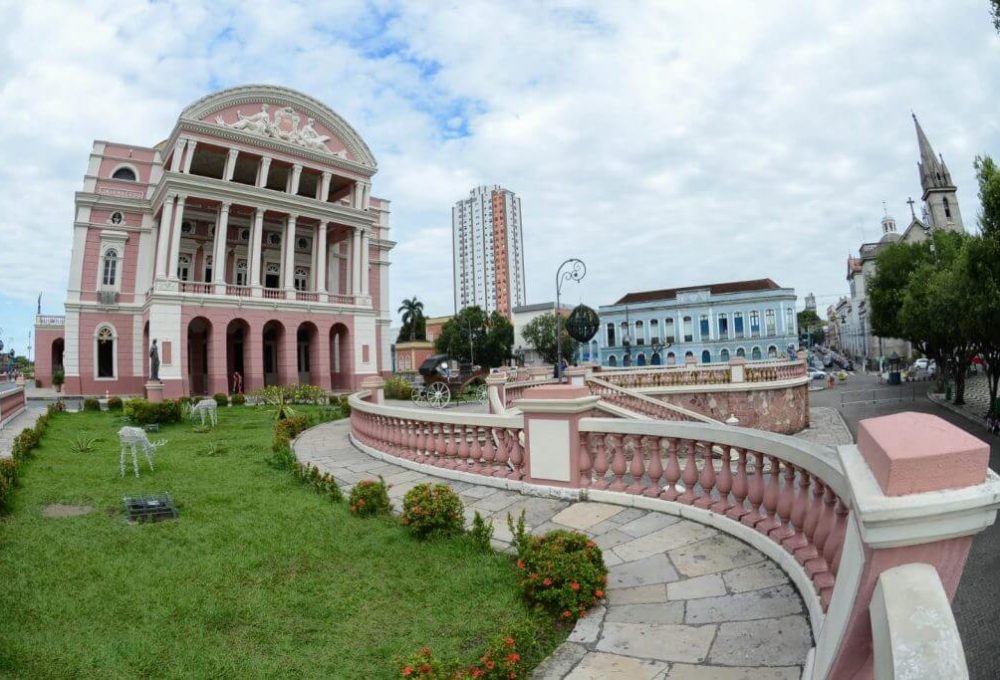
<point>684,601</point>
<point>25,419</point>
<point>827,427</point>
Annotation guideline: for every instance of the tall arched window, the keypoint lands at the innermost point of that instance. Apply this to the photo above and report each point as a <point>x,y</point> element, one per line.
<point>688,329</point>
<point>611,335</point>
<point>706,356</point>
<point>655,359</point>
<point>184,268</point>
<point>668,330</point>
<point>105,353</point>
<point>947,208</point>
<point>755,354</point>
<point>301,278</point>
<point>671,358</point>
<point>640,360</point>
<point>110,271</point>
<point>241,273</point>
<point>640,335</point>
<point>654,331</point>
<point>724,355</point>
<point>740,352</point>
<point>125,174</point>
<point>772,352</point>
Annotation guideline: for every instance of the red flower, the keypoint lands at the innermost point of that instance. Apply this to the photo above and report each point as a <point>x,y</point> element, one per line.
<point>513,657</point>
<point>598,593</point>
<point>425,668</point>
<point>566,614</point>
<point>591,544</point>
<point>547,582</point>
<point>490,664</point>
<point>509,641</point>
<point>475,673</point>
<point>520,564</point>
<point>575,586</point>
<point>512,675</point>
<point>407,671</point>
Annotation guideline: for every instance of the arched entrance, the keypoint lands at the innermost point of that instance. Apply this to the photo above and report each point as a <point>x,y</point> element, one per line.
<point>198,343</point>
<point>341,366</point>
<point>58,348</point>
<point>272,337</point>
<point>306,353</point>
<point>237,337</point>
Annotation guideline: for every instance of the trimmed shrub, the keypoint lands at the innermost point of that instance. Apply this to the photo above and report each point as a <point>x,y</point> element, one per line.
<point>432,509</point>
<point>23,444</point>
<point>239,400</point>
<point>286,430</point>
<point>369,498</point>
<point>41,425</point>
<point>507,656</point>
<point>345,406</point>
<point>115,404</point>
<point>322,482</point>
<point>91,405</point>
<point>481,533</point>
<point>142,412</point>
<point>563,573</point>
<point>8,480</point>
<point>397,388</point>
<point>58,406</point>
<point>221,399</point>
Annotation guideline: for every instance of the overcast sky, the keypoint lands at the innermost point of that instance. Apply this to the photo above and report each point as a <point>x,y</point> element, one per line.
<point>664,143</point>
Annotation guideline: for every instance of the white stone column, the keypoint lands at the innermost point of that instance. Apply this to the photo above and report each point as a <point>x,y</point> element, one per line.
<point>219,256</point>
<point>288,268</point>
<point>321,254</point>
<point>356,262</point>
<point>163,238</point>
<point>175,160</point>
<point>175,237</point>
<point>265,164</point>
<point>231,165</point>
<point>256,237</point>
<point>293,188</point>
<point>365,278</point>
<point>189,155</point>
<point>324,186</point>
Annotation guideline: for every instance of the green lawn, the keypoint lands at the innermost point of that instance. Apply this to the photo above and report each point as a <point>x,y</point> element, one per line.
<point>260,577</point>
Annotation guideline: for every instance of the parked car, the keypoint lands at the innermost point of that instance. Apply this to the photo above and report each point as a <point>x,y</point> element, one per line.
<point>816,374</point>
<point>921,363</point>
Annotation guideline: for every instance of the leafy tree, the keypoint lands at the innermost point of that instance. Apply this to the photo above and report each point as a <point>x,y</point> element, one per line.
<point>809,322</point>
<point>413,320</point>
<point>540,333</point>
<point>988,175</point>
<point>980,280</point>
<point>995,11</point>
<point>475,337</point>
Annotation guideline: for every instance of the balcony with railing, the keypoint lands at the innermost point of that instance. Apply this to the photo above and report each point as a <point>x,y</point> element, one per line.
<point>209,291</point>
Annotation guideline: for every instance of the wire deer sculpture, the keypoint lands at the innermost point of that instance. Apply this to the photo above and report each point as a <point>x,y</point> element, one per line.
<point>206,407</point>
<point>132,437</point>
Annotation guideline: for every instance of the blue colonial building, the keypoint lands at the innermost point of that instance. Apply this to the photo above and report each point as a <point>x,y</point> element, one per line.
<point>713,323</point>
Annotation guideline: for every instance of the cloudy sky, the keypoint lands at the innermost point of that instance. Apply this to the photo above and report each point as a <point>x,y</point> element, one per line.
<point>665,143</point>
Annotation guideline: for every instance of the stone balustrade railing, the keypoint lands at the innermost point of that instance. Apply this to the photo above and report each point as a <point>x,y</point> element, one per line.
<point>705,374</point>
<point>12,403</point>
<point>641,404</point>
<point>771,372</point>
<point>913,490</point>
<point>515,390</point>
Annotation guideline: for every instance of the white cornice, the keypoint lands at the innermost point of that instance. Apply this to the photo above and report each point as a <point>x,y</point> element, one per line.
<point>92,199</point>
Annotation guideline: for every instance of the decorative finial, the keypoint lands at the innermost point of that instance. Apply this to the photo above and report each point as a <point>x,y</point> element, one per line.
<point>885,210</point>
<point>910,201</point>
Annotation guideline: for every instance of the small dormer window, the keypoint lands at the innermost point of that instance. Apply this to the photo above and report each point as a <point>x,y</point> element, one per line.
<point>117,218</point>
<point>124,174</point>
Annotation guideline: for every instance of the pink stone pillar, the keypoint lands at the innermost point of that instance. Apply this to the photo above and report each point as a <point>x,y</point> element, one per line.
<point>218,379</point>
<point>496,384</point>
<point>552,415</point>
<point>374,384</point>
<point>319,356</point>
<point>253,359</point>
<point>577,375</point>
<point>921,491</point>
<point>288,356</point>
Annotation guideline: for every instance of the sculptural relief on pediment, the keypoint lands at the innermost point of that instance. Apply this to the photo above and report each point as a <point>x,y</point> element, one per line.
<point>285,124</point>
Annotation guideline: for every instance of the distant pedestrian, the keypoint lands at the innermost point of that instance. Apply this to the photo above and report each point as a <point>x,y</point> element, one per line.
<point>237,383</point>
<point>829,381</point>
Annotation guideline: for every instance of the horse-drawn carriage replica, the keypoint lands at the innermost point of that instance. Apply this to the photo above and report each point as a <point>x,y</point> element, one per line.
<point>447,380</point>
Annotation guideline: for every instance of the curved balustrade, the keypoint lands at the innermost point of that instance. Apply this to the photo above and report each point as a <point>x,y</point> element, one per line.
<point>515,390</point>
<point>486,445</point>
<point>792,492</point>
<point>702,374</point>
<point>641,404</point>
<point>787,370</point>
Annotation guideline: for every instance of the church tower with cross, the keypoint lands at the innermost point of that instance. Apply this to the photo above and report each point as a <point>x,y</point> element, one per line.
<point>940,195</point>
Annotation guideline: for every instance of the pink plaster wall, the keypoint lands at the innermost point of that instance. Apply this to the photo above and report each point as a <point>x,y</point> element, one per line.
<point>784,410</point>
<point>92,264</point>
<point>44,337</point>
<point>126,381</point>
<point>11,404</point>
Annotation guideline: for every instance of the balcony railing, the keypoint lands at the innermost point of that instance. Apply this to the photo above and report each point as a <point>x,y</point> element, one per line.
<point>238,291</point>
<point>246,292</point>
<point>306,296</point>
<point>274,294</point>
<point>196,288</point>
<point>49,320</point>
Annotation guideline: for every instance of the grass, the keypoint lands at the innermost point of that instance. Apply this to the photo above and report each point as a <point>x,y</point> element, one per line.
<point>260,577</point>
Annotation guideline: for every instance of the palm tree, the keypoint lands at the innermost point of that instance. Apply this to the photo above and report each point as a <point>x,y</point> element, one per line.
<point>413,311</point>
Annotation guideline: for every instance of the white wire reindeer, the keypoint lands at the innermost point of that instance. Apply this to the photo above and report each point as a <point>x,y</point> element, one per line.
<point>206,406</point>
<point>129,437</point>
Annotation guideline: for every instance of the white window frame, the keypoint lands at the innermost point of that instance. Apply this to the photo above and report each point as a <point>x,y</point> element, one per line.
<point>111,240</point>
<point>242,267</point>
<point>127,166</point>
<point>114,351</point>
<point>105,261</point>
<point>190,265</point>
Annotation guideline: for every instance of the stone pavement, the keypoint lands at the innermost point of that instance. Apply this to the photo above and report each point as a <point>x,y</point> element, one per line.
<point>826,426</point>
<point>24,420</point>
<point>684,601</point>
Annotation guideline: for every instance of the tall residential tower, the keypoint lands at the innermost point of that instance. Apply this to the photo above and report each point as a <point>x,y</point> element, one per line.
<point>488,252</point>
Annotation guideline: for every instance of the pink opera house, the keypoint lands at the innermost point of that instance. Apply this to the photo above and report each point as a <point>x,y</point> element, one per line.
<point>246,242</point>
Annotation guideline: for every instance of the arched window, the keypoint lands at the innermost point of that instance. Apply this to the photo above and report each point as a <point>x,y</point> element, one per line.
<point>301,278</point>
<point>654,331</point>
<point>706,356</point>
<point>772,352</point>
<point>184,268</point>
<point>740,352</point>
<point>655,359</point>
<point>241,273</point>
<point>611,335</point>
<point>947,208</point>
<point>688,329</point>
<point>125,174</point>
<point>627,360</point>
<point>105,353</point>
<point>640,360</point>
<point>208,269</point>
<point>671,358</point>
<point>612,361</point>
<point>688,355</point>
<point>668,330</point>
<point>640,335</point>
<point>724,355</point>
<point>110,271</point>
<point>755,354</point>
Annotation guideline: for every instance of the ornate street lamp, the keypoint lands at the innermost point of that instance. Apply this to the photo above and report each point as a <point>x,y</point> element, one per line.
<point>577,270</point>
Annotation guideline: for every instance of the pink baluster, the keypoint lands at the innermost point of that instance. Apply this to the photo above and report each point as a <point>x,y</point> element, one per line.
<point>673,472</point>
<point>601,461</point>
<point>503,452</point>
<point>586,461</point>
<point>475,450</point>
<point>707,478</point>
<point>462,459</point>
<point>400,437</point>
<point>799,508</point>
<point>786,499</point>
<point>772,488</point>
<point>650,447</point>
<point>824,528</point>
<point>618,465</point>
<point>814,513</point>
<point>637,466</point>
<point>516,455</point>
<point>489,451</point>
<point>756,494</point>
<point>725,483</point>
<point>452,449</point>
<point>835,543</point>
<point>440,443</point>
<point>690,474</point>
<point>421,444</point>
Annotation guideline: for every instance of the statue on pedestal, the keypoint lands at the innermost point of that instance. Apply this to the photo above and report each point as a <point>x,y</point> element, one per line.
<point>154,362</point>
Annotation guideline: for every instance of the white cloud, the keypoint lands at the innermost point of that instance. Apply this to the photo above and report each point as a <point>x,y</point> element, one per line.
<point>665,144</point>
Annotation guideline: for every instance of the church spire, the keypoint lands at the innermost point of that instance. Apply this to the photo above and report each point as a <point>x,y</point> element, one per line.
<point>933,171</point>
<point>940,195</point>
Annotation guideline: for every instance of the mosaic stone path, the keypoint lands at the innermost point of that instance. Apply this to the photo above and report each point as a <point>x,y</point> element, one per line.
<point>684,601</point>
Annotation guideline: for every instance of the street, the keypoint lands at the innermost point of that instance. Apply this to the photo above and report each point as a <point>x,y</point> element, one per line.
<point>978,597</point>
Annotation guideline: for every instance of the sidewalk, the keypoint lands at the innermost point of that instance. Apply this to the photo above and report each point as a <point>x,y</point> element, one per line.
<point>26,419</point>
<point>684,600</point>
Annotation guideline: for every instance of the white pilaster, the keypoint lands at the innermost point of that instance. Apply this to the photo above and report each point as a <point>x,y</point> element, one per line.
<point>175,237</point>
<point>219,256</point>
<point>189,155</point>
<point>175,160</point>
<point>265,165</point>
<point>288,268</point>
<point>256,236</point>
<point>321,250</point>
<point>324,186</point>
<point>356,262</point>
<point>364,263</point>
<point>231,164</point>
<point>293,188</point>
<point>163,238</point>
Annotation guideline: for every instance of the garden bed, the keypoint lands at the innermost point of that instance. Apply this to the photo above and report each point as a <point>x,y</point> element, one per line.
<point>262,577</point>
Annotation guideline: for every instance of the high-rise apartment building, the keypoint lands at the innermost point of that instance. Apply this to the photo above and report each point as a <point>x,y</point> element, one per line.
<point>488,251</point>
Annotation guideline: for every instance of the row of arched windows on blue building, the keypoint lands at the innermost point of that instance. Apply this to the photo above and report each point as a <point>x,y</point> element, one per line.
<point>756,354</point>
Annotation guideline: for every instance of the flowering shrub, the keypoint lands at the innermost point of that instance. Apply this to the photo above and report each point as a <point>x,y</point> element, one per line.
<point>322,482</point>
<point>286,430</point>
<point>430,509</point>
<point>423,664</point>
<point>58,406</point>
<point>505,657</point>
<point>369,498</point>
<point>563,572</point>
